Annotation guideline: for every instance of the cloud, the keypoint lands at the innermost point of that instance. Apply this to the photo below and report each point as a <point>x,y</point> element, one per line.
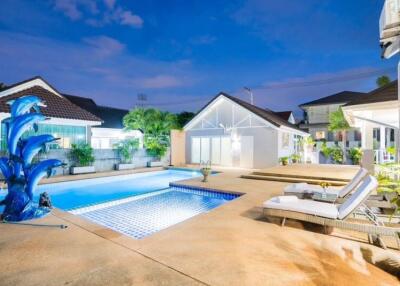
<point>159,81</point>
<point>92,15</point>
<point>105,46</point>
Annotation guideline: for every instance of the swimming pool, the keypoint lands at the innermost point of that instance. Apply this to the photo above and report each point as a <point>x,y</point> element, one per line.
<point>136,205</point>
<point>82,193</point>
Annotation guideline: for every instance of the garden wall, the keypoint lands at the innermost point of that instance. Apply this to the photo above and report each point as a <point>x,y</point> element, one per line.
<point>105,159</point>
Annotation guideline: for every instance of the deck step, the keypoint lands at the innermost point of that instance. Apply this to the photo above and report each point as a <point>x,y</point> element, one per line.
<point>292,180</point>
<point>302,177</point>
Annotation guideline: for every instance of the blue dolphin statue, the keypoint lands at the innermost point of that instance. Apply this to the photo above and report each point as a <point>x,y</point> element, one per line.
<point>24,104</point>
<point>39,171</point>
<point>21,124</point>
<point>5,168</point>
<point>33,145</point>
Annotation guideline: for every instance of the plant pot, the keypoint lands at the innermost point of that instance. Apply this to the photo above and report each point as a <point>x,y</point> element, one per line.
<point>205,172</point>
<point>294,161</point>
<point>154,164</point>
<point>284,163</point>
<point>82,170</point>
<point>124,166</point>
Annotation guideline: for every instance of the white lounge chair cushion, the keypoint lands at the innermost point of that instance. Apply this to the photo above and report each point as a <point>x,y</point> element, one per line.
<point>360,195</point>
<point>303,206</point>
<point>304,188</point>
<point>361,174</point>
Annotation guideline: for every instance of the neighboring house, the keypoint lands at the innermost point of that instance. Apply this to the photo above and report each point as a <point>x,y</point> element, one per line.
<point>230,132</point>
<point>111,130</point>
<point>69,122</point>
<point>316,118</point>
<point>72,118</point>
<point>286,115</point>
<point>376,114</point>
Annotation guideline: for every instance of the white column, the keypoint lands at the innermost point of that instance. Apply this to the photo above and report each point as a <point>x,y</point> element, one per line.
<point>382,145</point>
<point>367,136</point>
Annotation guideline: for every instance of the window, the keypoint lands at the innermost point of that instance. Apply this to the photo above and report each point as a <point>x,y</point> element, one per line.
<point>319,135</point>
<point>285,140</point>
<point>68,135</point>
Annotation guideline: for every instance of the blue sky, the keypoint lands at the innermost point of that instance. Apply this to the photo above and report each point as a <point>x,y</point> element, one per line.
<point>181,53</point>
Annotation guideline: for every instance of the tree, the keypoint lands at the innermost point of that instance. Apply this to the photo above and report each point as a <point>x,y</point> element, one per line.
<point>382,80</point>
<point>2,86</point>
<point>338,123</point>
<point>155,125</point>
<point>184,117</point>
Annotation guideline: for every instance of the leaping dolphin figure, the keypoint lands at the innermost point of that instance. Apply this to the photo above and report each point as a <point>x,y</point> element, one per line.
<point>24,104</point>
<point>5,168</point>
<point>39,171</point>
<point>21,124</point>
<point>33,145</point>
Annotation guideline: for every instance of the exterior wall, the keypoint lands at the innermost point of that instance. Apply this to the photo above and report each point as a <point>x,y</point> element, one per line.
<point>178,147</point>
<point>265,144</point>
<point>105,138</point>
<point>320,113</point>
<point>285,150</point>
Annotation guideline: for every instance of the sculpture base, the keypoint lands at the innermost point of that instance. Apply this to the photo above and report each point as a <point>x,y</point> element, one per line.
<point>32,212</point>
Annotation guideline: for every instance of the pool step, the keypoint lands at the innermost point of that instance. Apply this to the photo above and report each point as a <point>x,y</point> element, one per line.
<point>302,177</point>
<point>286,179</point>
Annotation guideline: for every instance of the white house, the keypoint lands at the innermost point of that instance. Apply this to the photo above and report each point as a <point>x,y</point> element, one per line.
<point>230,132</point>
<point>73,119</point>
<point>377,116</point>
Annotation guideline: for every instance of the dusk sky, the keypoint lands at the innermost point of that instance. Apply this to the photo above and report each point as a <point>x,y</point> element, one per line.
<point>181,53</point>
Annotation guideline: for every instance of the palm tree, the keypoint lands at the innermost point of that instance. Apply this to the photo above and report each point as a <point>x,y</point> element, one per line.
<point>382,80</point>
<point>338,123</point>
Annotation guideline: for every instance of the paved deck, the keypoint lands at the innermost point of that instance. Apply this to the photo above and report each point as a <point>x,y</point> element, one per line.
<point>230,245</point>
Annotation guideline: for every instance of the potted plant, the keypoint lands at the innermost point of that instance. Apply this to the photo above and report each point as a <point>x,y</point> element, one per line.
<point>295,158</point>
<point>337,155</point>
<point>284,160</point>
<point>355,155</point>
<point>156,146</point>
<point>125,149</point>
<point>326,152</point>
<point>205,170</point>
<point>82,156</point>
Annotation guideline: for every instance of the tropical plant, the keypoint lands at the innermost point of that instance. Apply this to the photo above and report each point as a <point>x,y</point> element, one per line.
<point>184,117</point>
<point>82,154</point>
<point>125,149</point>
<point>338,123</point>
<point>382,80</point>
<point>295,158</point>
<point>391,150</point>
<point>355,155</point>
<point>284,160</point>
<point>337,155</point>
<point>307,141</point>
<point>156,126</point>
<point>326,151</point>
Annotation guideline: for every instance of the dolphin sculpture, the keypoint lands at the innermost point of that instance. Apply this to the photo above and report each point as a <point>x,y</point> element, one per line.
<point>39,171</point>
<point>24,104</point>
<point>18,126</point>
<point>5,168</point>
<point>33,145</point>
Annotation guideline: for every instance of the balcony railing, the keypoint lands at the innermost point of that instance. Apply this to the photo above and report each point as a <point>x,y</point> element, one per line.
<point>382,156</point>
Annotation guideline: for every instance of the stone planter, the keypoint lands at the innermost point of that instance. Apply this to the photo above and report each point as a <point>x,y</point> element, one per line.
<point>124,166</point>
<point>154,164</point>
<point>205,172</point>
<point>82,170</point>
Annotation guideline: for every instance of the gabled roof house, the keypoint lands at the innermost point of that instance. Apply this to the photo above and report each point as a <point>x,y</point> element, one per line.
<point>72,118</point>
<point>231,132</point>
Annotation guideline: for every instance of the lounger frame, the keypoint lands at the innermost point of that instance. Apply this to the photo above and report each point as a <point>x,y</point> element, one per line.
<point>363,226</point>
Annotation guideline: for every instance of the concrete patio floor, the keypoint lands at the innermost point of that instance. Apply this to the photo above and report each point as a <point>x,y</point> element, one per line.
<point>230,245</point>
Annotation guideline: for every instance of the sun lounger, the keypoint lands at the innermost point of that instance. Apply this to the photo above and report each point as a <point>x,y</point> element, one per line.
<point>332,215</point>
<point>304,190</point>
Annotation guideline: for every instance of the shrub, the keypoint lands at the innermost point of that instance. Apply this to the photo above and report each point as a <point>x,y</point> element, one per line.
<point>125,149</point>
<point>391,150</point>
<point>284,160</point>
<point>82,154</point>
<point>326,151</point>
<point>355,155</point>
<point>156,146</point>
<point>337,155</point>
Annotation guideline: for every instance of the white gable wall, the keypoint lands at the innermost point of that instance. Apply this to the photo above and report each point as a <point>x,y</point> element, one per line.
<point>250,136</point>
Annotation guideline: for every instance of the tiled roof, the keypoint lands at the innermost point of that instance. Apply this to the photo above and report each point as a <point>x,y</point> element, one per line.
<point>112,117</point>
<point>56,106</point>
<point>381,94</point>
<point>341,97</point>
<point>284,114</point>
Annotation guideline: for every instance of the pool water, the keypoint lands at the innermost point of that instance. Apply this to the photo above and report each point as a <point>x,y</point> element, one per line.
<point>76,194</point>
<point>136,205</point>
